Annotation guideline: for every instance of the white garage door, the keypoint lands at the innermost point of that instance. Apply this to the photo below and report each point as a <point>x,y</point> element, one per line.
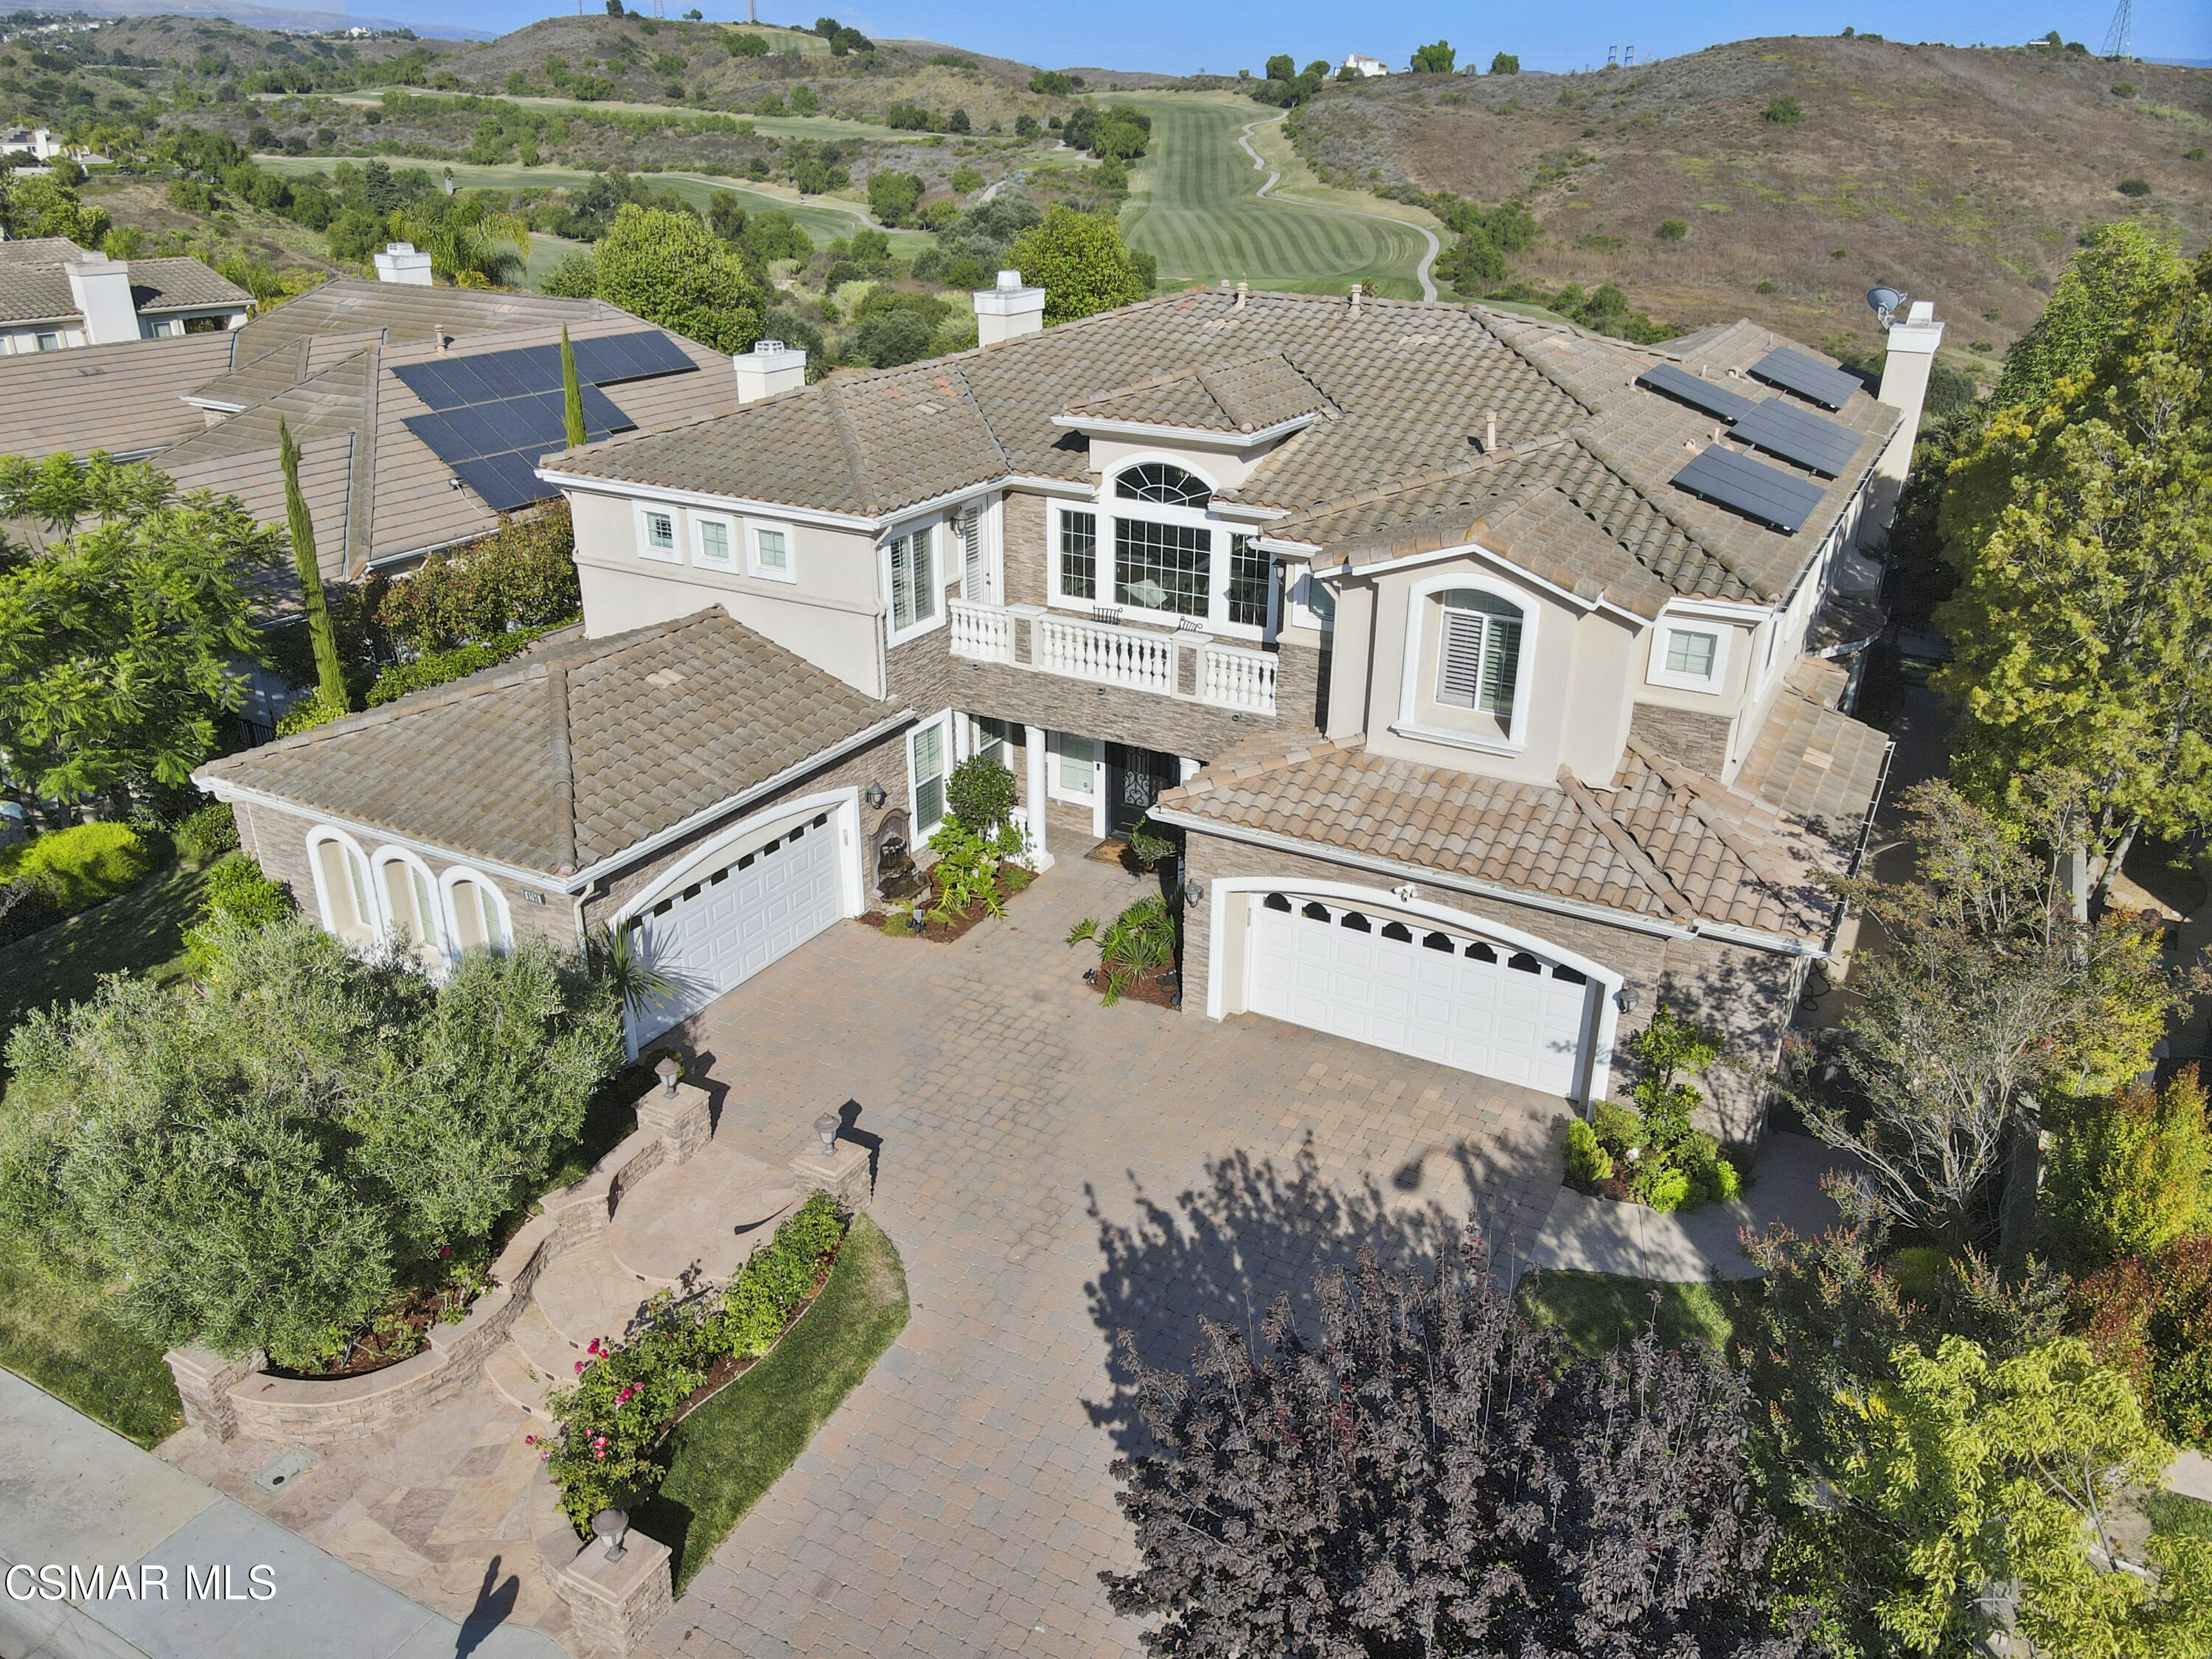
<point>1445,996</point>
<point>731,922</point>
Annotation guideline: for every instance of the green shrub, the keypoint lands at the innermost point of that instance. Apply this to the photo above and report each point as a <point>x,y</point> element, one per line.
<point>981,791</point>
<point>1919,1270</point>
<point>2194,152</point>
<point>1663,1187</point>
<point>1619,1126</point>
<point>2135,186</point>
<point>1782,111</point>
<point>967,873</point>
<point>612,1420</point>
<point>238,897</point>
<point>1143,939</point>
<point>438,667</point>
<point>1674,230</point>
<point>311,711</point>
<point>2128,1174</point>
<point>1668,1045</point>
<point>523,576</point>
<point>2150,1318</point>
<point>1587,1164</point>
<point>83,866</point>
<point>208,833</point>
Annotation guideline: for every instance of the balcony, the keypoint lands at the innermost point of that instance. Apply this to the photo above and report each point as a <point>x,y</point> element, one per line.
<point>1194,667</point>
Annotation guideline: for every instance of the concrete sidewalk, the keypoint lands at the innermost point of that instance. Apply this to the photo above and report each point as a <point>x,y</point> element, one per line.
<point>75,1495</point>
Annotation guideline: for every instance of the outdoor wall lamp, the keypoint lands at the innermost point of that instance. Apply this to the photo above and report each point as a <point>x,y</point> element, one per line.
<point>612,1526</point>
<point>1625,999</point>
<point>873,794</point>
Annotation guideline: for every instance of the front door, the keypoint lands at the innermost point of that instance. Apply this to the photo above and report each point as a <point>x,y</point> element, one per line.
<point>1135,778</point>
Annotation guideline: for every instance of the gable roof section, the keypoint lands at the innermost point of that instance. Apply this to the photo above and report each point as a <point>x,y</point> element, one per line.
<point>35,291</point>
<point>574,754</point>
<point>1657,842</point>
<point>126,399</point>
<point>1399,391</point>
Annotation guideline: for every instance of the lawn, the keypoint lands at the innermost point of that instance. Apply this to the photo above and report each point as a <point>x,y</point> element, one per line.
<point>142,931</point>
<point>56,1329</point>
<point>1195,206</point>
<point>730,1451</point>
<point>1600,1311</point>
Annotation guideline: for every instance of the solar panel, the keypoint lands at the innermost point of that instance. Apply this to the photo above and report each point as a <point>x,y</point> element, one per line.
<point>630,357</point>
<point>1685,388</point>
<point>1752,488</point>
<point>1793,371</point>
<point>1780,428</point>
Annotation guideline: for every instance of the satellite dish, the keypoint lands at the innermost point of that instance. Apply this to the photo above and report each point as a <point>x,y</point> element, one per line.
<point>1886,303</point>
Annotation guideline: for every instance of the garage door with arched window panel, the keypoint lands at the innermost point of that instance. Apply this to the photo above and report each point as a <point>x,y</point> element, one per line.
<point>1438,993</point>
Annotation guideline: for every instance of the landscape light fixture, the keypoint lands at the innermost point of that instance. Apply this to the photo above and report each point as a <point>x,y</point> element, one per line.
<point>613,1526</point>
<point>826,1127</point>
<point>1886,303</point>
<point>669,1070</point>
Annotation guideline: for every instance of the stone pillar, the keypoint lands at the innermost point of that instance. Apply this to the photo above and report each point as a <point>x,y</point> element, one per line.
<point>612,1605</point>
<point>1905,375</point>
<point>683,1122</point>
<point>204,1380</point>
<point>842,1173</point>
<point>1038,791</point>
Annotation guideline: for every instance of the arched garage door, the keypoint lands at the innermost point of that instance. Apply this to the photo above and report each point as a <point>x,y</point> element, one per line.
<point>730,922</point>
<point>1435,993</point>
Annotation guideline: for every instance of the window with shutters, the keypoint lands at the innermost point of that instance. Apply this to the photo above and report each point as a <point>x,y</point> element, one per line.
<point>1468,649</point>
<point>913,560</point>
<point>979,576</point>
<point>1478,654</point>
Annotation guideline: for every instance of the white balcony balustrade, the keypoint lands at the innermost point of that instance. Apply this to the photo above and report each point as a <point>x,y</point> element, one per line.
<point>1112,653</point>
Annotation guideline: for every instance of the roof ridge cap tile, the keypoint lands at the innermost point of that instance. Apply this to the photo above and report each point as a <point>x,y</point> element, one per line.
<point>564,766</point>
<point>1697,788</point>
<point>849,442</point>
<point>1591,440</point>
<point>1661,884</point>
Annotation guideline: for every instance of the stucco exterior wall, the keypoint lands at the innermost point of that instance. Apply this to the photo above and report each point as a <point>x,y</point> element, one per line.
<point>1745,993</point>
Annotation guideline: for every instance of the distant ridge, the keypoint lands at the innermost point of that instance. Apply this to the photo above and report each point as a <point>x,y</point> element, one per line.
<point>282,18</point>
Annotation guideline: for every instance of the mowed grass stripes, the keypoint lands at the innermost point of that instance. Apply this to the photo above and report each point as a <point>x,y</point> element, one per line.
<point>1202,217</point>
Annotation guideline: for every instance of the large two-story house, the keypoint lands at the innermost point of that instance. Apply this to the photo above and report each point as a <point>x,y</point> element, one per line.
<point>1493,671</point>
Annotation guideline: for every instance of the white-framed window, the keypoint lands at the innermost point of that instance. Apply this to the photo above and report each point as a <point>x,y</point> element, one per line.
<point>913,579</point>
<point>974,531</point>
<point>1075,556</point>
<point>928,759</point>
<point>1689,656</point>
<point>1312,604</point>
<point>476,913</point>
<point>1151,550</point>
<point>409,895</point>
<point>713,542</point>
<point>987,735</point>
<point>768,552</point>
<point>1470,647</point>
<point>656,534</point>
<point>49,342</point>
<point>1075,766</point>
<point>343,890</point>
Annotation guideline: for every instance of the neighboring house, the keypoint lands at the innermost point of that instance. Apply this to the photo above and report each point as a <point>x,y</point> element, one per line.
<point>1481,660</point>
<point>55,296</point>
<point>405,446</point>
<point>1357,64</point>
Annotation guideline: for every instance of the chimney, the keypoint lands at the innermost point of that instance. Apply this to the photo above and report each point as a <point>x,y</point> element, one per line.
<point>400,263</point>
<point>1904,372</point>
<point>100,288</point>
<point>1355,299</point>
<point>1008,311</point>
<point>769,367</point>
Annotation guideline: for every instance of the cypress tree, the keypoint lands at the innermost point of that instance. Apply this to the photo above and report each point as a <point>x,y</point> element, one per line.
<point>571,394</point>
<point>330,670</point>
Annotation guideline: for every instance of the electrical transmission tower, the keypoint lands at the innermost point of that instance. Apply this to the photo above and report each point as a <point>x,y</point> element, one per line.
<point>2118,37</point>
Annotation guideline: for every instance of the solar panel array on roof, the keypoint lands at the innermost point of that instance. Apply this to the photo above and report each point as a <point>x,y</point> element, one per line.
<point>1685,388</point>
<point>1780,428</point>
<point>488,376</point>
<point>1752,488</point>
<point>629,357</point>
<point>1793,371</point>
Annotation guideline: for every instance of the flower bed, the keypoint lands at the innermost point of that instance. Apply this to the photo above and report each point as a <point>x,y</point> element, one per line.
<point>629,1393</point>
<point>1137,952</point>
<point>976,871</point>
<point>935,917</point>
<point>400,1329</point>
<point>1654,1156</point>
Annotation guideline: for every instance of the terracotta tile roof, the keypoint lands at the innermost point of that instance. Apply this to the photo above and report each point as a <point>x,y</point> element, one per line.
<point>126,399</point>
<point>1658,840</point>
<point>1403,390</point>
<point>35,292</point>
<point>574,754</point>
<point>1812,760</point>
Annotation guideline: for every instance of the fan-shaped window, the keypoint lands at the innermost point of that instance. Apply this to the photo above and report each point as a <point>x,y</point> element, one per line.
<point>1315,912</point>
<point>1571,975</point>
<point>1399,931</point>
<point>1439,942</point>
<point>1358,923</point>
<point>1277,901</point>
<point>1170,486</point>
<point>1522,963</point>
<point>1479,951</point>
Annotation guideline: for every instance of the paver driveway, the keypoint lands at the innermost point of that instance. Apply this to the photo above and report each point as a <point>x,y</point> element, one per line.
<point>1051,1170</point>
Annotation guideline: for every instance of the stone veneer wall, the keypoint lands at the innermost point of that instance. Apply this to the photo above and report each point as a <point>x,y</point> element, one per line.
<point>1744,993</point>
<point>1696,740</point>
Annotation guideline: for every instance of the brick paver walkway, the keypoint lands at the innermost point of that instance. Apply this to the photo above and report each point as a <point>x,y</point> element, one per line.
<point>1051,1170</point>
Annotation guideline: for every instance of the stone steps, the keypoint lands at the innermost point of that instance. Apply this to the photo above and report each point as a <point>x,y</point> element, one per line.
<point>700,1219</point>
<point>517,1380</point>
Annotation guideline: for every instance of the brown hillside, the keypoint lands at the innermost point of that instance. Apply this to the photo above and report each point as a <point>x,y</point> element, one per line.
<point>1966,176</point>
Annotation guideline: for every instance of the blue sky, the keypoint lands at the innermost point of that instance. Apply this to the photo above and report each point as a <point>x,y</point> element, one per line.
<point>1178,37</point>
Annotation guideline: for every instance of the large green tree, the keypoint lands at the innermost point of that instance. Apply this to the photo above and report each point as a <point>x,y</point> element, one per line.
<point>2090,308</point>
<point>2080,526</point>
<point>330,669</point>
<point>474,242</point>
<point>1078,259</point>
<point>669,269</point>
<point>122,640</point>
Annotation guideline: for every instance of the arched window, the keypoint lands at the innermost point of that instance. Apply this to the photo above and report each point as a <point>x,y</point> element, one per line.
<point>1479,653</point>
<point>342,883</point>
<point>1170,486</point>
<point>477,911</point>
<point>410,905</point>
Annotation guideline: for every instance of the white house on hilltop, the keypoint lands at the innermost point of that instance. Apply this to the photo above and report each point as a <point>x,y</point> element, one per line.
<point>1360,63</point>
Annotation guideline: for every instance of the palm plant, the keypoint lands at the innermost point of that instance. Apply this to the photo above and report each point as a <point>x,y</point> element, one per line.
<point>622,970</point>
<point>473,243</point>
<point>1142,940</point>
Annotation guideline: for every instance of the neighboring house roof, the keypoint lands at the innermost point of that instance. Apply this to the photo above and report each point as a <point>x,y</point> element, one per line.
<point>30,252</point>
<point>395,497</point>
<point>574,754</point>
<point>1810,758</point>
<point>1658,840</point>
<point>38,292</point>
<point>126,399</point>
<point>1401,390</point>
